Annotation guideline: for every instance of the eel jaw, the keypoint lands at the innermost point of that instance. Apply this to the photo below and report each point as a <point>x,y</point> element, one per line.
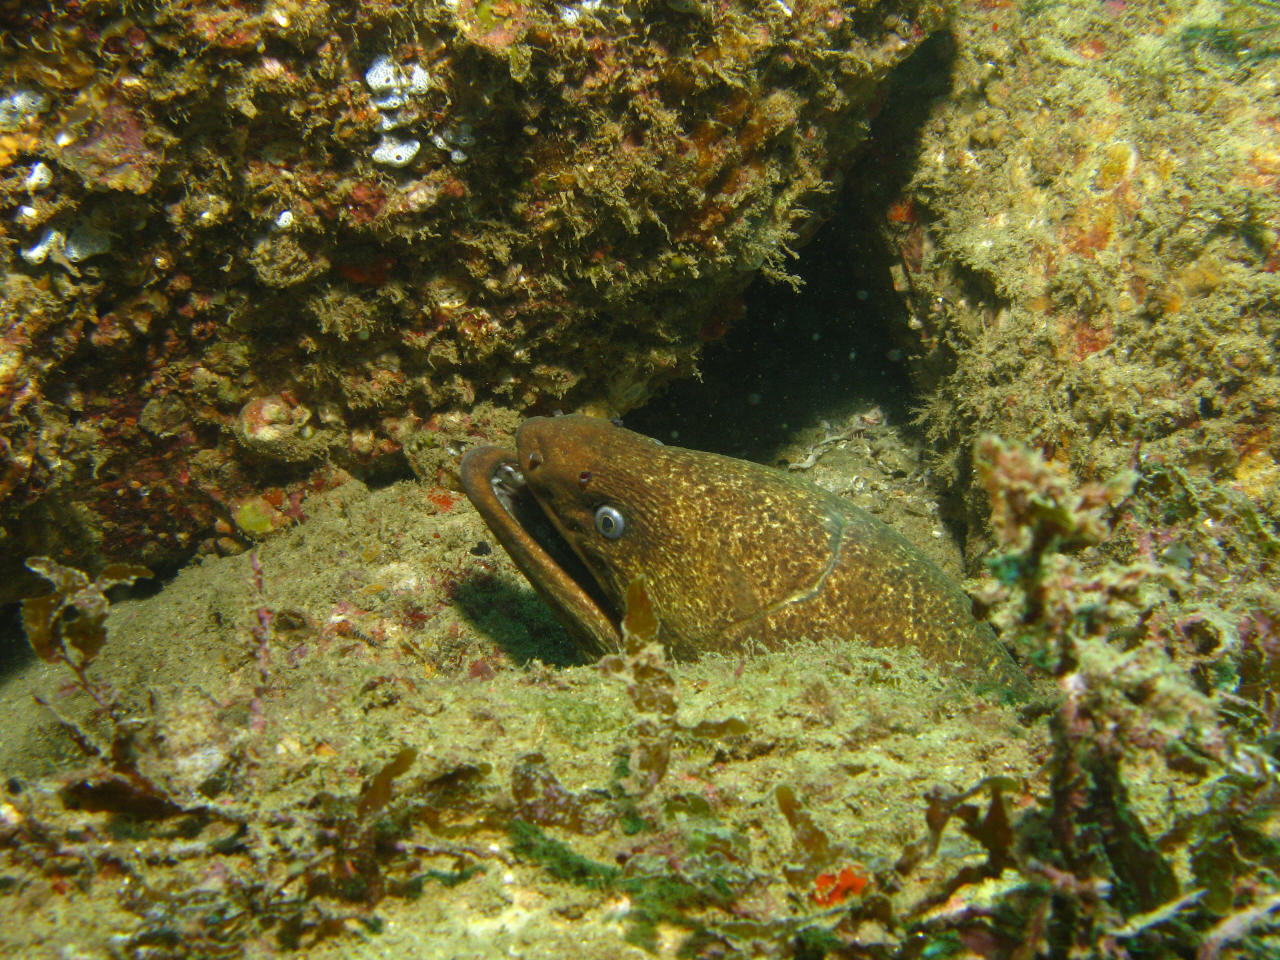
<point>493,482</point>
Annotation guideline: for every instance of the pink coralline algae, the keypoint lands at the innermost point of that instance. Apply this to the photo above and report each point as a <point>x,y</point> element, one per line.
<point>110,148</point>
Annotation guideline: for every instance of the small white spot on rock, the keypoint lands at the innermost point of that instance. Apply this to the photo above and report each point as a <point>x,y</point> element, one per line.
<point>52,242</point>
<point>391,121</point>
<point>392,101</point>
<point>20,105</point>
<point>38,177</point>
<point>393,152</point>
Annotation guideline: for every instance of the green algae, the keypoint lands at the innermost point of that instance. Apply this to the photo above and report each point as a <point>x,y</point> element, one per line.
<point>558,859</point>
<point>1248,32</point>
<point>576,720</point>
<point>656,894</point>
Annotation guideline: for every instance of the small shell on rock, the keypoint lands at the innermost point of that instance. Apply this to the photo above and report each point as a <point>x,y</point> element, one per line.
<point>270,418</point>
<point>52,242</point>
<point>385,76</point>
<point>38,177</point>
<point>85,242</point>
<point>278,426</point>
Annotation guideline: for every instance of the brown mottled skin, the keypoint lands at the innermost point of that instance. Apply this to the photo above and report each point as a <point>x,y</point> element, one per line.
<point>734,553</point>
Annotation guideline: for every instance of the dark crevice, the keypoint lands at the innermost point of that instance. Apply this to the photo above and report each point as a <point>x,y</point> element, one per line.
<point>14,650</point>
<point>833,346</point>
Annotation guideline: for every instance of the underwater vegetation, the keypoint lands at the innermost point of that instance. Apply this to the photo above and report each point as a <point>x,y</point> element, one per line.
<point>263,767</point>
<point>1249,30</point>
<point>1089,243</point>
<point>1141,672</point>
<point>1141,822</point>
<point>247,249</point>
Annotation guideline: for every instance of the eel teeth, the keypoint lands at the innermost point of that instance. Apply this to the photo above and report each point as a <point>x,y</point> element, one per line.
<point>507,483</point>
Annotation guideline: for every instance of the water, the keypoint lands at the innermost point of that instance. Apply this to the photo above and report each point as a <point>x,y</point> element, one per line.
<point>339,719</point>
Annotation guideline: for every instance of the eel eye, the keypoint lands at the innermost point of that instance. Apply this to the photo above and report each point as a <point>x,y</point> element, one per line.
<point>609,522</point>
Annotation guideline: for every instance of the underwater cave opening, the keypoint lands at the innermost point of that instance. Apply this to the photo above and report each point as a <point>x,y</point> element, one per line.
<point>837,345</point>
<point>823,351</point>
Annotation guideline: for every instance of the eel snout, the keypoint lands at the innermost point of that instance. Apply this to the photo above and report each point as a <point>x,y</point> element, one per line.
<point>495,483</point>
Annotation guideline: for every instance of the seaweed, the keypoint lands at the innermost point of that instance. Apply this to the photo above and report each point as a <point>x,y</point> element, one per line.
<point>119,819</point>
<point>179,919</point>
<point>530,842</point>
<point>68,625</point>
<point>658,891</point>
<point>690,861</point>
<point>1247,32</point>
<point>542,800</point>
<point>650,686</point>
<point>812,850</point>
<point>1135,681</point>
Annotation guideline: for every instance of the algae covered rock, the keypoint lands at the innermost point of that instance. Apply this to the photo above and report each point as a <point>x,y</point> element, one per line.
<point>540,206</point>
<point>1090,242</point>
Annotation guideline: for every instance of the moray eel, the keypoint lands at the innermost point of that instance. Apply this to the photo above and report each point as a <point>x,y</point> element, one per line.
<point>734,554</point>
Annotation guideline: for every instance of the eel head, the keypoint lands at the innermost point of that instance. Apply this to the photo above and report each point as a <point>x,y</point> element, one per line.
<point>585,507</point>
<point>496,481</point>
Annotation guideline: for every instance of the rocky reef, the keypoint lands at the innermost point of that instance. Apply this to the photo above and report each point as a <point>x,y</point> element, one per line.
<point>350,753</point>
<point>1090,238</point>
<point>363,737</point>
<point>248,245</point>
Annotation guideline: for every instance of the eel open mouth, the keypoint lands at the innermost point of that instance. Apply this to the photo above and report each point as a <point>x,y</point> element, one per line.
<point>494,483</point>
